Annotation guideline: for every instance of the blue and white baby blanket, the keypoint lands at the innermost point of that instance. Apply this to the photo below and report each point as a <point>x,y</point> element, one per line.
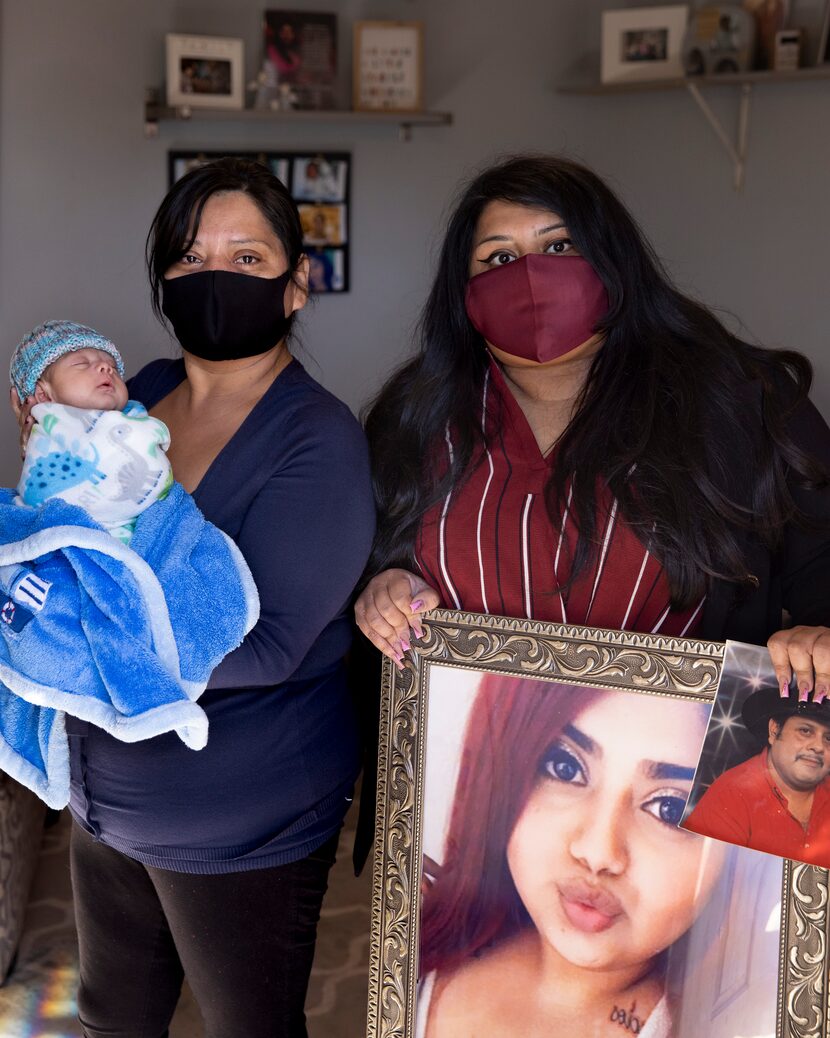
<point>125,638</point>
<point>111,463</point>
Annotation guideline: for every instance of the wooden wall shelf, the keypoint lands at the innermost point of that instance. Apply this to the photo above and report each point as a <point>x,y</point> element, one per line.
<point>155,113</point>
<point>726,79</point>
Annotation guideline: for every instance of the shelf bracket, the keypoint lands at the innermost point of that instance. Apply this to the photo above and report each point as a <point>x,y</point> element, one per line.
<point>736,151</point>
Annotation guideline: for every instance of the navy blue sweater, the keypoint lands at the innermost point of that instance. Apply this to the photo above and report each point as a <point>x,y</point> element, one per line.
<point>292,489</point>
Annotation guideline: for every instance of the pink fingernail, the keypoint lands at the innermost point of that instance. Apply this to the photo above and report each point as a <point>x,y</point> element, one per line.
<point>804,692</point>
<point>785,690</point>
<point>417,630</point>
<point>417,605</point>
<point>404,645</point>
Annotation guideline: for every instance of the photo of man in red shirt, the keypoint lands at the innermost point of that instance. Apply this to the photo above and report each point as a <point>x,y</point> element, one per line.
<point>778,801</point>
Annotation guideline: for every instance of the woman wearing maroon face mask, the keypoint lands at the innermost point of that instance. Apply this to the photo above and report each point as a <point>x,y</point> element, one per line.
<point>575,441</point>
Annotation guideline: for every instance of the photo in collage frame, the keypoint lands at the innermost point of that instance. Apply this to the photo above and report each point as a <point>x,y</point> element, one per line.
<point>320,184</point>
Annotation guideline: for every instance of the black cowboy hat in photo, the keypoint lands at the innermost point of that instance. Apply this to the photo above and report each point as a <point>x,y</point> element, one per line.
<point>767,703</point>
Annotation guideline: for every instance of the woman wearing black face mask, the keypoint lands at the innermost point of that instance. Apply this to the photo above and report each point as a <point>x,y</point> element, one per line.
<point>214,864</point>
<point>577,442</point>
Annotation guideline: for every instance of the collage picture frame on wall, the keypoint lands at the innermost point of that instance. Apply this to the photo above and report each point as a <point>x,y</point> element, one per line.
<point>531,777</point>
<point>320,184</point>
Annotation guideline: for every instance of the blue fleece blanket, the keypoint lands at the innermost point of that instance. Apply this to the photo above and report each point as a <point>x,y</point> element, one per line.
<point>125,638</point>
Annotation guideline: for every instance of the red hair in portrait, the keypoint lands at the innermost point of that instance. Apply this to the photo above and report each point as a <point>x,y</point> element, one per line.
<point>473,902</point>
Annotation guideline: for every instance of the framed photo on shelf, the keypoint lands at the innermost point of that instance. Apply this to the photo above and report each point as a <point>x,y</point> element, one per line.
<point>643,43</point>
<point>531,780</point>
<point>388,66</point>
<point>320,184</point>
<point>302,48</point>
<point>205,72</point>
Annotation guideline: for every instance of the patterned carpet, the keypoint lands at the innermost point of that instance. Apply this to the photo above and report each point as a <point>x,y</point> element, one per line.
<point>37,1000</point>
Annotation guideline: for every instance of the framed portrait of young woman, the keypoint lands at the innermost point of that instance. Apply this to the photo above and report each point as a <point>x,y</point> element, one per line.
<point>530,876</point>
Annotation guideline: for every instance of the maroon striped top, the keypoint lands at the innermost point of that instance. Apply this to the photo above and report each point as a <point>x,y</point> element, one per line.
<point>490,546</point>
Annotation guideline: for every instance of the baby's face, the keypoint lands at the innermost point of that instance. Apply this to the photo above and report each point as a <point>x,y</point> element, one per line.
<point>85,378</point>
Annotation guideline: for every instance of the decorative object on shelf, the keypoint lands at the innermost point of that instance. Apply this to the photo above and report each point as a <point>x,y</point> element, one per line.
<point>388,61</point>
<point>301,48</point>
<point>205,72</point>
<point>266,89</point>
<point>643,43</point>
<point>787,54</point>
<point>823,53</point>
<point>720,39</point>
<point>289,98</point>
<point>319,182</point>
<point>770,16</point>
<point>517,758</point>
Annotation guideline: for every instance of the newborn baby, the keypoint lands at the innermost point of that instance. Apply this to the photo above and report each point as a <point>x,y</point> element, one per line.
<point>90,445</point>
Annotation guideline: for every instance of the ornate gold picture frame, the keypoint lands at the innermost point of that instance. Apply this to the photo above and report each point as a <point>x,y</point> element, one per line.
<point>600,724</point>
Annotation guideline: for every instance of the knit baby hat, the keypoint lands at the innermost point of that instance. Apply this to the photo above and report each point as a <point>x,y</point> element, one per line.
<point>46,343</point>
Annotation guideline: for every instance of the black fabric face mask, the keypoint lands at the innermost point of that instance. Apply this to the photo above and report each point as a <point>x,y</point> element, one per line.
<point>222,315</point>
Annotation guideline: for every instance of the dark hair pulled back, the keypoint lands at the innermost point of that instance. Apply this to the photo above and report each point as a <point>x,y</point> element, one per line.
<point>176,223</point>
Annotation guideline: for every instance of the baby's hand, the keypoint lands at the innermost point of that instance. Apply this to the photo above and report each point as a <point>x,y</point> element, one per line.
<point>23,414</point>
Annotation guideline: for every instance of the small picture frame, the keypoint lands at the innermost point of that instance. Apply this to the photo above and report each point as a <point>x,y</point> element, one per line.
<point>530,781</point>
<point>787,53</point>
<point>205,72</point>
<point>301,47</point>
<point>388,66</point>
<point>643,43</point>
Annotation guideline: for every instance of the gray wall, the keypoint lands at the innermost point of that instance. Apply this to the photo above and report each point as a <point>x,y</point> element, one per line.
<point>79,183</point>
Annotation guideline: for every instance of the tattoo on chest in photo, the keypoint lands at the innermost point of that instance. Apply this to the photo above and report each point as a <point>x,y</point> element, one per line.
<point>627,1020</point>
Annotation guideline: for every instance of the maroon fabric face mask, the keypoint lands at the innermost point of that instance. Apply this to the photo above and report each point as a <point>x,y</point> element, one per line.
<point>538,307</point>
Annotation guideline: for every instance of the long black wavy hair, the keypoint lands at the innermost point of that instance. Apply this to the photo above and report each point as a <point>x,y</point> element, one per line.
<point>667,374</point>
